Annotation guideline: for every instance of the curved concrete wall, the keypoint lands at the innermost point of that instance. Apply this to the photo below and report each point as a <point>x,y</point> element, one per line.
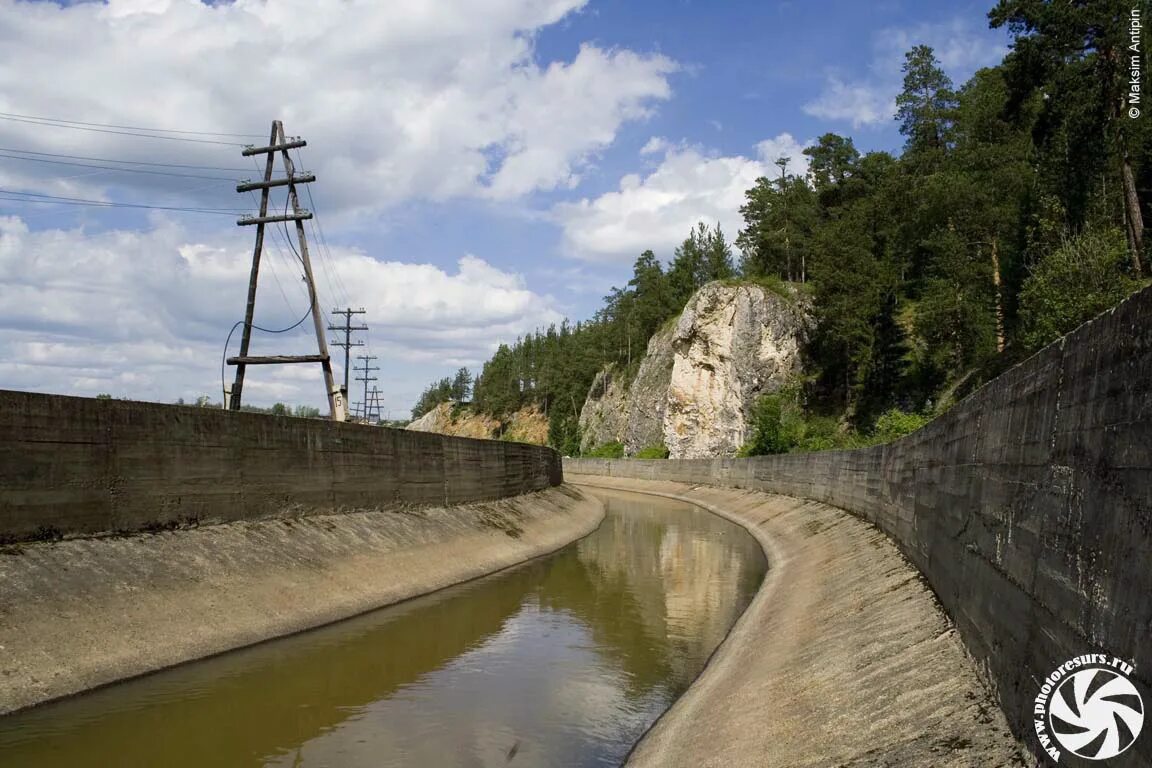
<point>1027,507</point>
<point>71,465</point>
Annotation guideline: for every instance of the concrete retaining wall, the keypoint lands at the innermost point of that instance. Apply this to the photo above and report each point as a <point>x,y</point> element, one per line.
<point>71,465</point>
<point>1027,507</point>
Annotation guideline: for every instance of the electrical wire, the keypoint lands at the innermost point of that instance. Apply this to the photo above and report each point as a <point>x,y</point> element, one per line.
<point>224,356</point>
<point>117,170</point>
<point>47,124</point>
<point>318,229</point>
<point>128,127</point>
<point>32,197</point>
<point>125,162</point>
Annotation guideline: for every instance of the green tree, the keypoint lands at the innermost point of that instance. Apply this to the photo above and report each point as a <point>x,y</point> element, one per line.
<point>779,218</point>
<point>1072,284</point>
<point>461,385</point>
<point>1078,54</point>
<point>926,106</point>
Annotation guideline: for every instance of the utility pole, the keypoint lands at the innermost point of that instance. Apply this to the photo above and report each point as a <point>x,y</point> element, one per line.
<point>347,344</point>
<point>372,410</point>
<point>278,143</point>
<point>366,370</point>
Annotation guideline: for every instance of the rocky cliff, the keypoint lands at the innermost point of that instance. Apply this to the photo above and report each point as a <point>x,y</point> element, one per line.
<point>528,425</point>
<point>701,376</point>
<point>630,411</point>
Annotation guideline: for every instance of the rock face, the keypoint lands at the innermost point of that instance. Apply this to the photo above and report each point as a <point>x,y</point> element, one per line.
<point>731,345</point>
<point>605,411</point>
<point>701,376</point>
<point>433,421</point>
<point>451,418</point>
<point>631,413</point>
<point>528,425</point>
<point>649,394</point>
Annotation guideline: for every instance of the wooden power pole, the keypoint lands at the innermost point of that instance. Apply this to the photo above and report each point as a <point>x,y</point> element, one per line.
<point>374,409</point>
<point>278,143</point>
<point>366,370</point>
<point>347,344</point>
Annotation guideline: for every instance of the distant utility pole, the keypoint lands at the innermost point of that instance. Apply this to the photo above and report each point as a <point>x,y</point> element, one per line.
<point>373,409</point>
<point>366,370</point>
<point>347,344</point>
<point>278,143</point>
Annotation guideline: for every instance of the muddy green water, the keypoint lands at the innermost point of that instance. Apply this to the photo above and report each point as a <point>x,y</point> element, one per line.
<point>565,661</point>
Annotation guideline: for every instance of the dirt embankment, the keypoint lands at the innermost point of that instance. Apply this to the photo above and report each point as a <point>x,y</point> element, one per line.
<point>84,612</point>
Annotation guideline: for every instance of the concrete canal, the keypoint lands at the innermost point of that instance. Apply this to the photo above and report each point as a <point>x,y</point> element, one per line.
<point>563,661</point>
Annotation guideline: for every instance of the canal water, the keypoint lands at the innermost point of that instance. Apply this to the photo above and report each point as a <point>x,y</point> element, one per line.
<point>564,661</point>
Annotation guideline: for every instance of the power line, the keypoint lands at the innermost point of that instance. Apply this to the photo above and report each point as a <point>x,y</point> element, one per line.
<point>55,200</point>
<point>129,127</point>
<point>335,282</point>
<point>120,133</point>
<point>117,170</point>
<point>124,162</point>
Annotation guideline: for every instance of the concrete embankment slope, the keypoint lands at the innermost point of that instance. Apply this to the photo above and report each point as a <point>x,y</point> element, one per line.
<point>83,612</point>
<point>842,658</point>
<point>1027,507</point>
<point>134,536</point>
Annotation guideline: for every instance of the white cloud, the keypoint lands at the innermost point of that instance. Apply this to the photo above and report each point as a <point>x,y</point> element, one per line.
<point>145,313</point>
<point>657,211</point>
<point>785,146</point>
<point>858,103</point>
<point>960,46</point>
<point>399,100</point>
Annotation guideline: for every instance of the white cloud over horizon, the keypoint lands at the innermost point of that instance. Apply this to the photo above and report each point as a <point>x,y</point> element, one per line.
<point>144,314</point>
<point>657,210</point>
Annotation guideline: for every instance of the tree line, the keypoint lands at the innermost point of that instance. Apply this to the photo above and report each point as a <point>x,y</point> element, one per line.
<point>1014,212</point>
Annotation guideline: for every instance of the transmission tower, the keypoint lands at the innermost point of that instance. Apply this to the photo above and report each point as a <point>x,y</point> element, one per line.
<point>373,408</point>
<point>366,370</point>
<point>278,143</point>
<point>347,344</point>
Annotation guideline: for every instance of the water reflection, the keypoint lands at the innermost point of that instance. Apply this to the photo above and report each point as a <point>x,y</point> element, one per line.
<point>562,662</point>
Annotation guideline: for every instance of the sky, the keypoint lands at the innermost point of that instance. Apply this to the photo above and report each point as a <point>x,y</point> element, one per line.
<point>484,167</point>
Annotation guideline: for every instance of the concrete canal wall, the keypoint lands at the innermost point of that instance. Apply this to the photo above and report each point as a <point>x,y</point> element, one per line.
<point>73,465</point>
<point>1027,507</point>
<point>135,536</point>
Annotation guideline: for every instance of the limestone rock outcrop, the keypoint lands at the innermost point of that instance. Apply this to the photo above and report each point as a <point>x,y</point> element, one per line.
<point>630,412</point>
<point>732,344</point>
<point>527,425</point>
<point>700,378</point>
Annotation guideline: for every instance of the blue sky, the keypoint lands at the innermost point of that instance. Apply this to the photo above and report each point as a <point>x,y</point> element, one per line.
<point>480,174</point>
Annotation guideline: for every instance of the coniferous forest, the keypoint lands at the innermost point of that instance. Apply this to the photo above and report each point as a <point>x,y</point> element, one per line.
<point>1014,212</point>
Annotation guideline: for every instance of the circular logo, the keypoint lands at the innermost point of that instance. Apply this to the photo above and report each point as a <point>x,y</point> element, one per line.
<point>1095,713</point>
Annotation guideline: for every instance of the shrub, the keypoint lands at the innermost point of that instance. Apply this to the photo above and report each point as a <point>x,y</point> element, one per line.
<point>658,451</point>
<point>777,425</point>
<point>1078,280</point>
<point>613,450</point>
<point>895,423</point>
